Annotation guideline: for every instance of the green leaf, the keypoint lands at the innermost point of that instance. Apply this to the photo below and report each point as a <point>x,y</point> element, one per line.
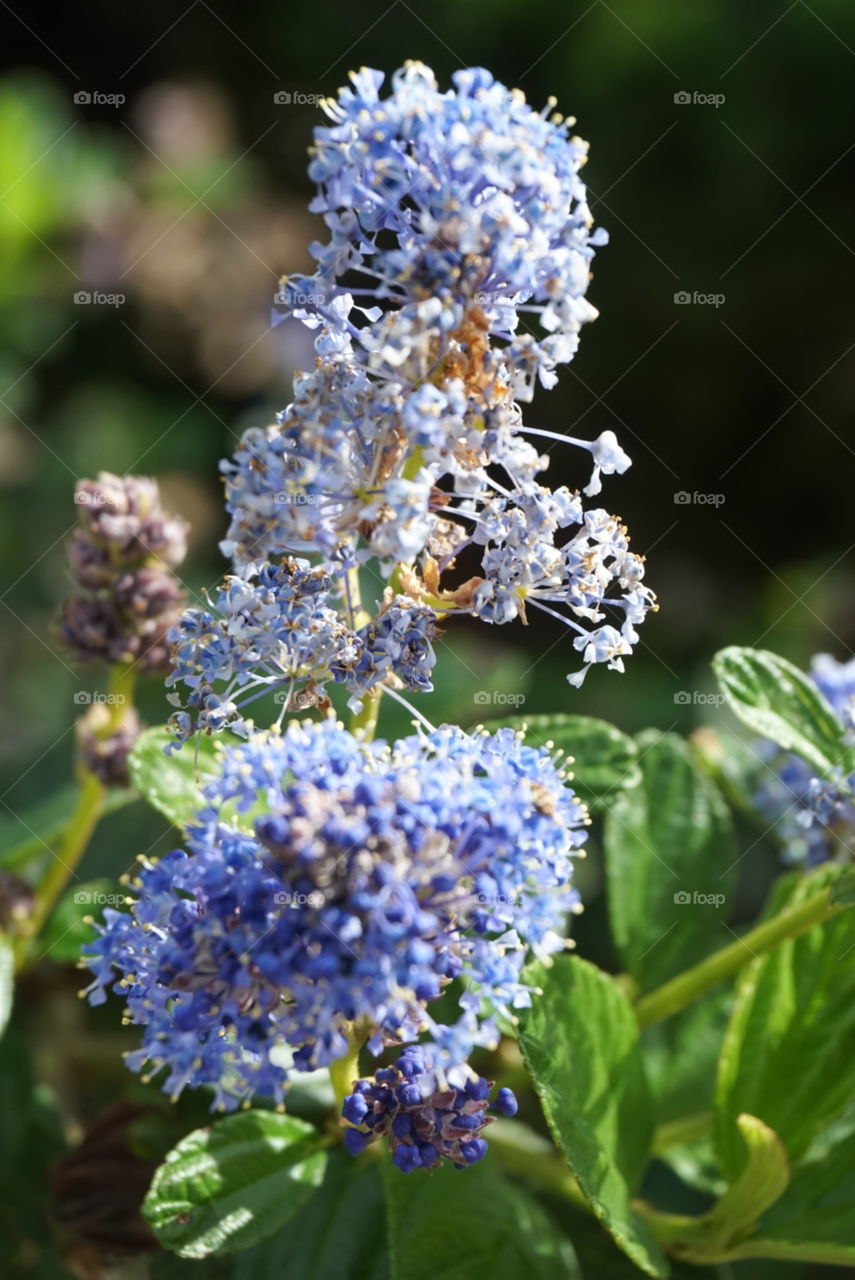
<point>817,1211</point>
<point>681,1055</point>
<point>778,701</point>
<point>230,1185</point>
<point>671,858</point>
<point>341,1231</point>
<point>173,783</point>
<point>605,760</point>
<point>467,1225</point>
<point>581,1044</point>
<point>789,1052</point>
<point>7,980</point>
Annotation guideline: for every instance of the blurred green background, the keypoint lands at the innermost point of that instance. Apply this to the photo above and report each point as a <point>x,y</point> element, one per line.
<point>186,201</point>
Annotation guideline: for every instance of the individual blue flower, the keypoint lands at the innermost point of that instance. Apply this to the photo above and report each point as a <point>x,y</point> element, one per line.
<point>332,884</point>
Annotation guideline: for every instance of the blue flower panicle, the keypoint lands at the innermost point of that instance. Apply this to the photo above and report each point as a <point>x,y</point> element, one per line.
<point>330,883</point>
<point>456,220</point>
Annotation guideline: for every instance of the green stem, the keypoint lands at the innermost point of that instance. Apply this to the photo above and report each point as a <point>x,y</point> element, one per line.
<point>82,823</point>
<point>840,1255</point>
<point>75,839</point>
<point>681,991</point>
<point>362,723</point>
<point>345,1070</point>
<point>676,1133</point>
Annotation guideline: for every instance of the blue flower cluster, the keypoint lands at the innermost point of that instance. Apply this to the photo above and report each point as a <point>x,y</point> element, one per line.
<point>332,884</point>
<point>456,221</point>
<point>425,1124</point>
<point>813,818</point>
<point>279,633</point>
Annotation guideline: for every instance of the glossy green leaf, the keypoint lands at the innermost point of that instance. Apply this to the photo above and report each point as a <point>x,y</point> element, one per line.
<point>226,1187</point>
<point>173,783</point>
<point>816,1214</point>
<point>341,1231</point>
<point>671,863</point>
<point>581,1043</point>
<point>604,759</point>
<point>789,1052</point>
<point>457,1225</point>
<point>778,701</point>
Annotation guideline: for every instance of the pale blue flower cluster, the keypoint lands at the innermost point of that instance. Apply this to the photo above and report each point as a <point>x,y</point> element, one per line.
<point>456,220</point>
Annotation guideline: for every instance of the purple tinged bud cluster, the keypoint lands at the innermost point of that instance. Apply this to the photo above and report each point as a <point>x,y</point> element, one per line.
<point>121,560</point>
<point>424,1122</point>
